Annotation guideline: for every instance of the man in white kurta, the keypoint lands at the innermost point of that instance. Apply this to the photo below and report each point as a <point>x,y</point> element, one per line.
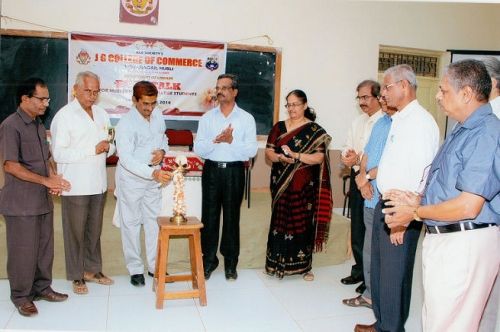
<point>80,145</point>
<point>141,144</point>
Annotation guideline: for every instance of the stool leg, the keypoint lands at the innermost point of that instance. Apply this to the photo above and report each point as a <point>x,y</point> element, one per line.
<point>200,276</point>
<point>163,259</point>
<point>157,255</point>
<point>192,259</point>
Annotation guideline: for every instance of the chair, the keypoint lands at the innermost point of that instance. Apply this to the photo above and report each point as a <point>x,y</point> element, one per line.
<point>346,191</point>
<point>191,231</point>
<point>181,137</point>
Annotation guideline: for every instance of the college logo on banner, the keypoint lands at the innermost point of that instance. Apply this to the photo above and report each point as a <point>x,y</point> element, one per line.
<point>184,71</point>
<point>83,57</point>
<point>139,11</point>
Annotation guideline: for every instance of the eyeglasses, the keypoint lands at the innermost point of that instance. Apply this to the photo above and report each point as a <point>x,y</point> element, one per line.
<point>386,87</point>
<point>223,88</point>
<point>293,105</point>
<point>42,99</point>
<point>93,93</point>
<point>364,98</point>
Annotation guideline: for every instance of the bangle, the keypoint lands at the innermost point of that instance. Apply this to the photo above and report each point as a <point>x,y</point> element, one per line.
<point>415,214</point>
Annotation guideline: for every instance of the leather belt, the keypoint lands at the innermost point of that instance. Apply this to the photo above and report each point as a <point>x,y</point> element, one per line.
<point>224,164</point>
<point>456,227</point>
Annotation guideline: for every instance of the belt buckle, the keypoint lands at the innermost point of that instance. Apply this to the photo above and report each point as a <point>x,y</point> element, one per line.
<point>222,165</point>
<point>436,228</point>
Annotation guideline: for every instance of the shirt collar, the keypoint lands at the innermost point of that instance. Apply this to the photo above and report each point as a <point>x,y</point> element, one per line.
<point>406,110</point>
<point>477,116</point>
<point>234,111</point>
<point>26,118</point>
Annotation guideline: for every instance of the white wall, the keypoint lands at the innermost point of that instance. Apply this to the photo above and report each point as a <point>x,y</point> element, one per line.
<point>328,46</point>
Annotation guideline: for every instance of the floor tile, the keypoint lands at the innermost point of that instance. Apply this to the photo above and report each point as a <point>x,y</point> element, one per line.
<point>245,310</point>
<point>77,313</point>
<point>138,313</point>
<point>336,323</point>
<point>7,310</point>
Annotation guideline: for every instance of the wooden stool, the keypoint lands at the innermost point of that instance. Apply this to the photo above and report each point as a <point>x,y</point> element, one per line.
<point>190,229</point>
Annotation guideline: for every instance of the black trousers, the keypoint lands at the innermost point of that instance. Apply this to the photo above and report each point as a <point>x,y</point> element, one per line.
<point>222,188</point>
<point>30,254</point>
<point>356,204</point>
<point>392,273</point>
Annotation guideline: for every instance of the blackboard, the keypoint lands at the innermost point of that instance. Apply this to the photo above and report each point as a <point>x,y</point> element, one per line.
<point>25,54</point>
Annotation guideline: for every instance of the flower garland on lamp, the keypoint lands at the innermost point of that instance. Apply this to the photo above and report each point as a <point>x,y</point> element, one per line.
<point>178,180</point>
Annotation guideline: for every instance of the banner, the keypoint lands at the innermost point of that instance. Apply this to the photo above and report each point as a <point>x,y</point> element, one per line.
<point>185,72</point>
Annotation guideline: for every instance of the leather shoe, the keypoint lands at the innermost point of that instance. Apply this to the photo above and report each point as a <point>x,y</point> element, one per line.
<point>350,280</point>
<point>52,296</point>
<point>365,328</point>
<point>27,309</point>
<point>231,275</point>
<point>208,273</point>
<point>361,288</point>
<point>209,268</point>
<point>137,280</point>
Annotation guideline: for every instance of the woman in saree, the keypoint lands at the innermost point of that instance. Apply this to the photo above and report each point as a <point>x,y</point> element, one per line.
<point>300,190</point>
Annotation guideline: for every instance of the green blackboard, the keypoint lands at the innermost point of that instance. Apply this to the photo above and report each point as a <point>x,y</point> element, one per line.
<point>25,54</point>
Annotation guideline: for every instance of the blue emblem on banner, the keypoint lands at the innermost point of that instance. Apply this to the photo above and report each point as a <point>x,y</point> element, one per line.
<point>212,64</point>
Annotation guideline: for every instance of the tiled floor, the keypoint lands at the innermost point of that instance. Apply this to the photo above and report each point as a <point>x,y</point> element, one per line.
<point>255,302</point>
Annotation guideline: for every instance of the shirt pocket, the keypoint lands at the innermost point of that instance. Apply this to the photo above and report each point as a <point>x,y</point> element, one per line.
<point>31,151</point>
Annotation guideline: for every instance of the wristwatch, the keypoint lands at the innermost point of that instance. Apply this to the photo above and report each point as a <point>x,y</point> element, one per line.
<point>368,177</point>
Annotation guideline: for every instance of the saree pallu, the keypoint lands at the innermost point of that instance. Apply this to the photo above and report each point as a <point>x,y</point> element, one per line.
<point>301,201</point>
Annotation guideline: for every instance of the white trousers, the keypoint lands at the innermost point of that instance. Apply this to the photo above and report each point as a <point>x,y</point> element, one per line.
<point>458,273</point>
<point>139,203</point>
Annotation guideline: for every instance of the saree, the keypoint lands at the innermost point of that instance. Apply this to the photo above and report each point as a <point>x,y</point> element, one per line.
<point>301,201</point>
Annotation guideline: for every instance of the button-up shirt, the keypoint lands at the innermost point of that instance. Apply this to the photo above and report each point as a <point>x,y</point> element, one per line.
<point>212,123</point>
<point>373,151</point>
<point>74,137</point>
<point>411,145</point>
<point>23,140</point>
<point>360,131</point>
<point>469,161</point>
<point>137,138</point>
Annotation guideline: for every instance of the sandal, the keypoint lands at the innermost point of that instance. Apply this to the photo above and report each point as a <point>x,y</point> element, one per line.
<point>79,287</point>
<point>98,278</point>
<point>267,273</point>
<point>308,276</point>
<point>357,302</point>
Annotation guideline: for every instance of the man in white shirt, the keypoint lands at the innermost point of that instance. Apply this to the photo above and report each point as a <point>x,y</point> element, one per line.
<point>141,144</point>
<point>410,148</point>
<point>226,138</point>
<point>361,128</point>
<point>80,146</point>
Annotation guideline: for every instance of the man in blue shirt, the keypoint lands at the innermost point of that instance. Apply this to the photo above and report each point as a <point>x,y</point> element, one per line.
<point>226,138</point>
<point>460,207</point>
<point>367,185</point>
